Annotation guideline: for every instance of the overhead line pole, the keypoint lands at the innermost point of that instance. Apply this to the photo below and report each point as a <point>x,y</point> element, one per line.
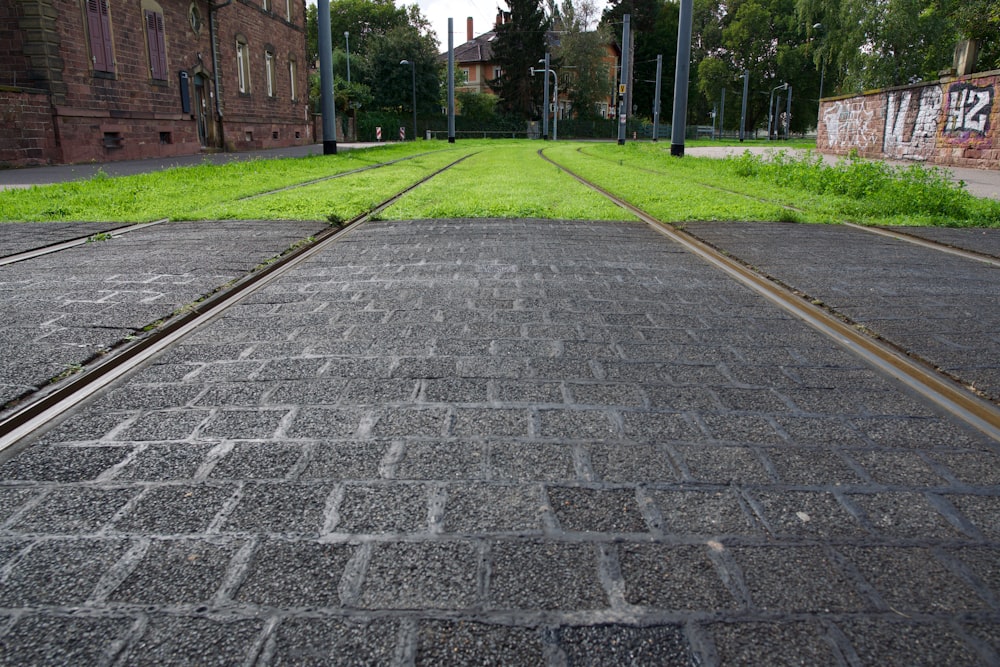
<point>326,78</point>
<point>656,98</point>
<point>451,82</point>
<point>681,76</point>
<point>623,82</point>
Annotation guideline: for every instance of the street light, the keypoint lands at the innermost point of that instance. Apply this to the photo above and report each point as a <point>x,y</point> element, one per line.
<point>347,42</point>
<point>413,73</point>
<point>822,61</point>
<point>770,109</point>
<point>555,118</point>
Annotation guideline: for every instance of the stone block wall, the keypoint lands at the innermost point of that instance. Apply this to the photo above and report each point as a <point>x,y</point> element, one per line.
<point>26,133</point>
<point>952,122</point>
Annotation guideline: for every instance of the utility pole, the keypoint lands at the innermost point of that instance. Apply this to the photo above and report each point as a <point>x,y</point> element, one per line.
<point>788,112</point>
<point>545,100</point>
<point>722,116</point>
<point>656,98</point>
<point>681,78</point>
<point>743,110</point>
<point>451,82</point>
<point>623,85</point>
<point>326,79</point>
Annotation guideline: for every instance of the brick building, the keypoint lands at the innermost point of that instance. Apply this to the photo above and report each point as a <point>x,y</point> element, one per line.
<point>84,80</point>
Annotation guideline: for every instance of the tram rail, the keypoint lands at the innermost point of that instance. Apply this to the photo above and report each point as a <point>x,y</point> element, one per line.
<point>45,408</point>
<point>938,388</point>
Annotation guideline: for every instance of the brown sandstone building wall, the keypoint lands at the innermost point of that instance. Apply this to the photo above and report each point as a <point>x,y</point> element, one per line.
<point>953,122</point>
<point>58,104</point>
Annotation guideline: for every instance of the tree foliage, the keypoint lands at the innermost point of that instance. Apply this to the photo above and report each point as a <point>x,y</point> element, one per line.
<point>520,42</point>
<point>584,74</point>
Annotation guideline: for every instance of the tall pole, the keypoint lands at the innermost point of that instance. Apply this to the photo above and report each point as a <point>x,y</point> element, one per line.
<point>545,100</point>
<point>681,78</point>
<point>788,112</point>
<point>743,105</point>
<point>413,76</point>
<point>555,118</point>
<point>451,82</point>
<point>656,98</point>
<point>347,45</point>
<point>623,83</point>
<point>722,116</point>
<point>326,79</point>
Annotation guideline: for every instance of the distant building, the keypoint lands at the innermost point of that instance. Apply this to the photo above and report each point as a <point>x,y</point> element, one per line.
<point>474,59</point>
<point>100,80</point>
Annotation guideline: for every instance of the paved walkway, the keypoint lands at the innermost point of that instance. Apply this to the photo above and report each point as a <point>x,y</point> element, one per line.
<point>503,442</point>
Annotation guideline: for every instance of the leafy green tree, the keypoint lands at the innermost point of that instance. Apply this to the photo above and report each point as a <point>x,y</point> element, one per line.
<point>520,42</point>
<point>476,106</point>
<point>391,83</point>
<point>584,73</point>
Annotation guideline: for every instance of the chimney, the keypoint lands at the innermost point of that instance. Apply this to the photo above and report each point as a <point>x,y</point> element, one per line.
<point>468,29</point>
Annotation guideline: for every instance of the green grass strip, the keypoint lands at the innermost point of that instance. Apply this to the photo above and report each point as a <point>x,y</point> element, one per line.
<point>338,199</point>
<point>180,193</point>
<point>506,179</point>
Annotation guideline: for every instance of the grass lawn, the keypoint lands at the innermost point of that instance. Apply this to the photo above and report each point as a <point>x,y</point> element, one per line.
<point>507,178</point>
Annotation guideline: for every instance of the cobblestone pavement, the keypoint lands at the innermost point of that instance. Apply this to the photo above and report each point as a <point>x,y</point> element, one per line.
<point>21,237</point>
<point>63,308</point>
<point>503,442</point>
<point>984,241</point>
<point>944,308</point>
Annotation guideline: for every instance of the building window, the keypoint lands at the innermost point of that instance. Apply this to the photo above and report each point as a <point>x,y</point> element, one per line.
<point>497,72</point>
<point>269,72</point>
<point>99,27</point>
<point>243,64</point>
<point>265,5</point>
<point>156,44</point>
<point>293,72</point>
<point>288,10</point>
<point>194,17</point>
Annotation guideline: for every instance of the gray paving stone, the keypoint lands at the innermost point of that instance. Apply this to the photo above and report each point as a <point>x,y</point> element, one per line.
<point>882,642</point>
<point>73,510</point>
<point>904,515</point>
<point>626,645</point>
<point>786,644</point>
<point>452,459</point>
<point>59,573</point>
<point>469,642</point>
<point>295,574</point>
<point>982,511</point>
<point>63,464</point>
<point>258,460</point>
<point>520,462</point>
<point>177,572</point>
<point>800,578</point>
<point>807,514</point>
<point>910,579</point>
<point>174,510</point>
<point>672,578</point>
<point>181,640</point>
<point>163,461</point>
<point>429,575</point>
<point>300,641</point>
<point>285,508</point>
<point>702,512</point>
<point>596,510</point>
<point>63,640</point>
<point>545,576</point>
<point>389,508</point>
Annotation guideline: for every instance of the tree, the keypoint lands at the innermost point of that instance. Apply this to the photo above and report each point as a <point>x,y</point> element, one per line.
<point>520,42</point>
<point>582,52</point>
<point>390,82</point>
<point>477,106</point>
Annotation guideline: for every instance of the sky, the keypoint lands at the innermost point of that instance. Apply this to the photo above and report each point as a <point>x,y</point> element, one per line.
<point>483,13</point>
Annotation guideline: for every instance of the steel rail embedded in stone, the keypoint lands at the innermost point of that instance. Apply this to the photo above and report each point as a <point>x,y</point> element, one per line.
<point>46,410</point>
<point>72,243</point>
<point>938,389</point>
<point>927,243</point>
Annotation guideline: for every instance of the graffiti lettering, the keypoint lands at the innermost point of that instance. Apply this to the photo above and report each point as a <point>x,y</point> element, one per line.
<point>907,135</point>
<point>969,110</point>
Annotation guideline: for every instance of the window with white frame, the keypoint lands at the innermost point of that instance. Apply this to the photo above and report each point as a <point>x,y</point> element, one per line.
<point>243,64</point>
<point>293,72</point>
<point>269,72</point>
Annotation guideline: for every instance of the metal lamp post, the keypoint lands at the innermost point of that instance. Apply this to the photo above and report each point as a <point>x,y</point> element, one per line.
<point>413,73</point>
<point>770,109</point>
<point>555,117</point>
<point>347,44</point>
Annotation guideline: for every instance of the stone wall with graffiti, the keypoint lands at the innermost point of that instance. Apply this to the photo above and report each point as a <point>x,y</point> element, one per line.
<point>952,122</point>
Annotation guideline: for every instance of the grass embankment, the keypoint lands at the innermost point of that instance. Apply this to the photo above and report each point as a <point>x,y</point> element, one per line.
<point>506,180</point>
<point>782,187</point>
<point>181,193</point>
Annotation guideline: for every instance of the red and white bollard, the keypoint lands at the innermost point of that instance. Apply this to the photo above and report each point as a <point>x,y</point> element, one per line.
<point>378,134</point>
<point>402,134</point>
